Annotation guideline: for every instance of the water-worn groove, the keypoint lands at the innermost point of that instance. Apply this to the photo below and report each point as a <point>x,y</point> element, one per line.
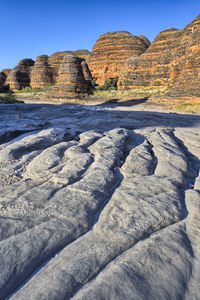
<point>112,190</point>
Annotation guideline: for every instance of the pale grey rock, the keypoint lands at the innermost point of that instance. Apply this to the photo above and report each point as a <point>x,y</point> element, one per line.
<point>98,203</point>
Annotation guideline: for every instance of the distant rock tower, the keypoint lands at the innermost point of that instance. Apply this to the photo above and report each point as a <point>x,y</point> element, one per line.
<point>41,73</point>
<point>71,82</point>
<point>20,76</point>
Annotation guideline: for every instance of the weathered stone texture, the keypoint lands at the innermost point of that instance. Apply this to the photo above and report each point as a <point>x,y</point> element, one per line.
<point>110,52</point>
<point>6,71</point>
<point>71,81</point>
<point>172,60</point>
<point>56,59</point>
<point>41,73</point>
<point>91,210</point>
<point>20,76</point>
<point>2,78</point>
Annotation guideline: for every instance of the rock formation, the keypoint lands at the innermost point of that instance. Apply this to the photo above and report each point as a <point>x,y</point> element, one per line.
<point>6,71</point>
<point>110,52</point>
<point>19,77</point>
<point>86,71</point>
<point>41,73</point>
<point>56,59</point>
<point>92,209</point>
<point>2,78</point>
<point>172,61</point>
<point>70,82</point>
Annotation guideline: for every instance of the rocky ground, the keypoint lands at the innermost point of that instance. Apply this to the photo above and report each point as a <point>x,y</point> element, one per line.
<point>98,202</point>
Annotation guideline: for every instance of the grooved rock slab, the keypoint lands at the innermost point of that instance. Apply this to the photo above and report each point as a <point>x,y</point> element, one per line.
<point>110,52</point>
<point>171,61</point>
<point>98,203</point>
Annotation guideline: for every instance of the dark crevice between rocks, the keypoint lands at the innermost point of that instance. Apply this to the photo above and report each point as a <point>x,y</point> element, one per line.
<point>154,159</point>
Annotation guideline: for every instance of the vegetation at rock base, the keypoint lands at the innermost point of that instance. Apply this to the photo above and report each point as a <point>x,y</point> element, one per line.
<point>9,98</point>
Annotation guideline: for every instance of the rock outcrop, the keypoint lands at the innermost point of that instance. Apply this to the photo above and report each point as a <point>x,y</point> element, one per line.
<point>41,73</point>
<point>70,82</point>
<point>110,52</point>
<point>56,59</point>
<point>2,78</point>
<point>171,61</point>
<point>19,77</point>
<point>92,209</point>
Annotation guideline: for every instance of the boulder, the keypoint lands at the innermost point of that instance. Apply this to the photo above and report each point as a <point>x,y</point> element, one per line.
<point>110,52</point>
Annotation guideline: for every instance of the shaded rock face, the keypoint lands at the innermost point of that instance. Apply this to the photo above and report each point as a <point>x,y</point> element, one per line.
<point>172,60</point>
<point>110,52</point>
<point>6,71</point>
<point>19,77</point>
<point>56,59</point>
<point>71,81</point>
<point>41,73</point>
<point>2,78</point>
<point>92,210</point>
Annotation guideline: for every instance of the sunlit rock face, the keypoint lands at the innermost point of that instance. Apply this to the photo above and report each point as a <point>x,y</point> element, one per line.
<point>55,60</point>
<point>41,73</point>
<point>110,52</point>
<point>172,61</point>
<point>98,203</point>
<point>19,77</point>
<point>71,81</point>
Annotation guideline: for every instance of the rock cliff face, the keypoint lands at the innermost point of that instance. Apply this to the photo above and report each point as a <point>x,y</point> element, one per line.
<point>20,76</point>
<point>41,73</point>
<point>172,60</point>
<point>70,82</point>
<point>110,52</point>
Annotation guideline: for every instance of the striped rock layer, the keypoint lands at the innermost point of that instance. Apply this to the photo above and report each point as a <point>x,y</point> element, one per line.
<point>19,77</point>
<point>41,73</point>
<point>172,61</point>
<point>110,52</point>
<point>71,81</point>
<point>55,60</point>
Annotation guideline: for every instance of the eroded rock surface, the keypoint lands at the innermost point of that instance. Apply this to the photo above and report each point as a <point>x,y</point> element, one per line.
<point>98,203</point>
<point>71,81</point>
<point>171,61</point>
<point>41,73</point>
<point>110,52</point>
<point>19,76</point>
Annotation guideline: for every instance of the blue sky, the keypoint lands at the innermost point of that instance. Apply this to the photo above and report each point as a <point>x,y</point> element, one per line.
<point>32,28</point>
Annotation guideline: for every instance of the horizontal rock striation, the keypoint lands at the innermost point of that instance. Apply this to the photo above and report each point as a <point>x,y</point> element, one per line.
<point>56,59</point>
<point>19,77</point>
<point>172,61</point>
<point>41,73</point>
<point>110,52</point>
<point>71,81</point>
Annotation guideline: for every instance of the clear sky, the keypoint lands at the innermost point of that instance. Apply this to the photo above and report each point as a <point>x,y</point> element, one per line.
<point>31,28</point>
